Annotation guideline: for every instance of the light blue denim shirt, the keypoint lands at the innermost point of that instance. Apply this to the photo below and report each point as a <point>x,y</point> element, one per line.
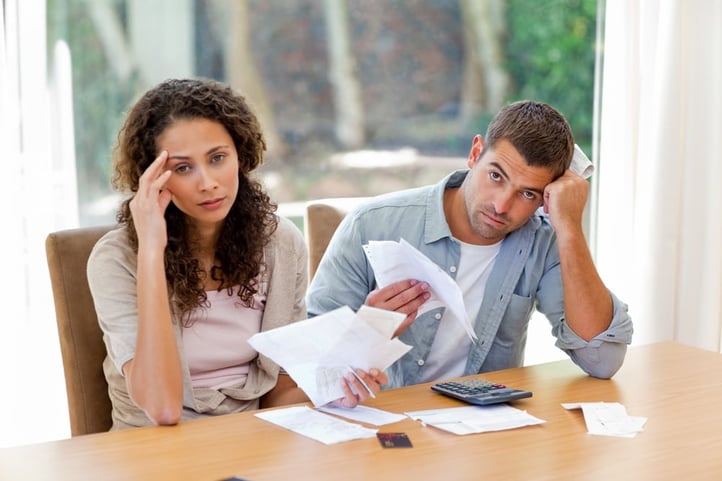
<point>526,275</point>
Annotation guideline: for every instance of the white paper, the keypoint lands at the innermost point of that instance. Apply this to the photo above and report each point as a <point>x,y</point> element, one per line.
<point>318,352</point>
<point>364,414</point>
<point>396,261</point>
<point>475,419</point>
<point>315,425</point>
<point>381,320</point>
<point>609,419</point>
<point>581,165</point>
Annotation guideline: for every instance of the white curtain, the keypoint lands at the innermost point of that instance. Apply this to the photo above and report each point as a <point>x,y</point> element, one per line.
<point>37,196</point>
<point>12,262</point>
<point>659,225</point>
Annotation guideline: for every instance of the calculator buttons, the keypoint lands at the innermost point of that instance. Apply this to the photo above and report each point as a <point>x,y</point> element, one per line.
<point>479,391</point>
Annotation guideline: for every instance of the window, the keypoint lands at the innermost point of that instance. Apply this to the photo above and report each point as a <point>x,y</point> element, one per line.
<point>356,98</point>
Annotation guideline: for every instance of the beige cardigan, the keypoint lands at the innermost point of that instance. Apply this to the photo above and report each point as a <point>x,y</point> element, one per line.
<point>112,279</point>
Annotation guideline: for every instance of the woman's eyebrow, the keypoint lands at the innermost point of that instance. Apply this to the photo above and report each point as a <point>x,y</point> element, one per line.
<point>208,152</point>
<point>217,148</point>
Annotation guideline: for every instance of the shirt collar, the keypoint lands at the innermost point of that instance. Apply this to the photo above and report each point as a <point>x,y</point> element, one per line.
<point>435,222</point>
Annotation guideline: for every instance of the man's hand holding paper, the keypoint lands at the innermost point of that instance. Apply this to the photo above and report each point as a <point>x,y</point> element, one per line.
<point>405,297</point>
<point>395,262</point>
<point>320,353</point>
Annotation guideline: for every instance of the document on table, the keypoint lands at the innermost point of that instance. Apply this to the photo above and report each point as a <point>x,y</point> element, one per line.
<point>609,419</point>
<point>396,261</point>
<point>315,425</point>
<point>318,352</point>
<point>364,414</point>
<point>475,419</point>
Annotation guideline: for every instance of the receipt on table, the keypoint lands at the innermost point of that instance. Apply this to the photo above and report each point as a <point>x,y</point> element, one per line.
<point>475,419</point>
<point>315,425</point>
<point>609,419</point>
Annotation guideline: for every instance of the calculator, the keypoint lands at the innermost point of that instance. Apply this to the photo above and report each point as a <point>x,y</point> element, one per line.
<point>479,391</point>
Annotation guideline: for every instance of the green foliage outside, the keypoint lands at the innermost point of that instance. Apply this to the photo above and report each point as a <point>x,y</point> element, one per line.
<point>550,55</point>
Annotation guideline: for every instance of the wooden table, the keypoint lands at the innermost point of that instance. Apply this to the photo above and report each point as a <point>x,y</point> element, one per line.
<point>679,388</point>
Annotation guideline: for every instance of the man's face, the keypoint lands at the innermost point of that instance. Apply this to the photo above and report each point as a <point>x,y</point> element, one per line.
<point>501,191</point>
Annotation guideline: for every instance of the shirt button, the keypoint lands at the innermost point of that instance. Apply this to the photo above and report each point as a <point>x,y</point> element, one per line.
<point>452,268</point>
<point>420,362</point>
<point>437,315</point>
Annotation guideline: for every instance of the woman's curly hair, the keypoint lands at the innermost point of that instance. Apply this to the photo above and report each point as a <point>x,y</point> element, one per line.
<point>251,220</point>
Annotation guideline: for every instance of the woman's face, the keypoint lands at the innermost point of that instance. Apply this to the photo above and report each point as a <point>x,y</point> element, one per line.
<point>204,164</point>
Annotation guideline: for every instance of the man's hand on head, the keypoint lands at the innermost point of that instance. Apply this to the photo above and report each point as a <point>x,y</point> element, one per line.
<point>564,201</point>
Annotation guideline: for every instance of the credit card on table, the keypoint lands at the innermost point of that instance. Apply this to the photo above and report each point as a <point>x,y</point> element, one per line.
<point>394,440</point>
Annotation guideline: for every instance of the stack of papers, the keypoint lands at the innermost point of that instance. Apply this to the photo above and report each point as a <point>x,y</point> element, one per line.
<point>397,261</point>
<point>475,419</point>
<point>364,414</point>
<point>317,353</point>
<point>315,425</point>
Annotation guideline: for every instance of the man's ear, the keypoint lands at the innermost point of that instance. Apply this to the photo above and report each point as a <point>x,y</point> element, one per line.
<point>477,145</point>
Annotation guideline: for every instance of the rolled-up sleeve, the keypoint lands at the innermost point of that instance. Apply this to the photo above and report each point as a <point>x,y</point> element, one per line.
<point>603,355</point>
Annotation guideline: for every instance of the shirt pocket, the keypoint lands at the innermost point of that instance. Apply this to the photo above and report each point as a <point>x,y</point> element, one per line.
<point>514,323</point>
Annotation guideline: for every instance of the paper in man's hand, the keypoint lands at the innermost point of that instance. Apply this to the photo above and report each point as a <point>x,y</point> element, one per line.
<point>581,165</point>
<point>318,352</point>
<point>397,261</point>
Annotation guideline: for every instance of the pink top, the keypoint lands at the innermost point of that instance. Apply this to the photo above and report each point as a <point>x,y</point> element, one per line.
<point>216,344</point>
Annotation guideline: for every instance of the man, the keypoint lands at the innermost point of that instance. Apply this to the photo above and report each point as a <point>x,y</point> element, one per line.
<point>509,230</point>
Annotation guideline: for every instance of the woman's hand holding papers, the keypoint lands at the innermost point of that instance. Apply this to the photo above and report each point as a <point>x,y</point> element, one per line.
<point>366,384</point>
<point>403,296</point>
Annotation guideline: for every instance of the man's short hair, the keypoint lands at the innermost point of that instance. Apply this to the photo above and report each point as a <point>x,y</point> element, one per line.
<point>537,131</point>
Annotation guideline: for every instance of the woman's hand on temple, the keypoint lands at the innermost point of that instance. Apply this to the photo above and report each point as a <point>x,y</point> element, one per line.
<point>150,202</point>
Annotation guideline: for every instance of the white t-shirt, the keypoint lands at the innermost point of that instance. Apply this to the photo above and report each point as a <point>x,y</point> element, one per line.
<point>450,348</point>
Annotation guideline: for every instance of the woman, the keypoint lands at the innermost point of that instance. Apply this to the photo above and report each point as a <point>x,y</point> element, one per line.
<point>199,263</point>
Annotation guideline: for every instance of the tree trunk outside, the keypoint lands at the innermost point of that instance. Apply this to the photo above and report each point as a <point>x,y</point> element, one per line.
<point>161,38</point>
<point>349,123</point>
<point>243,74</point>
<point>113,39</point>
<point>486,83</point>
